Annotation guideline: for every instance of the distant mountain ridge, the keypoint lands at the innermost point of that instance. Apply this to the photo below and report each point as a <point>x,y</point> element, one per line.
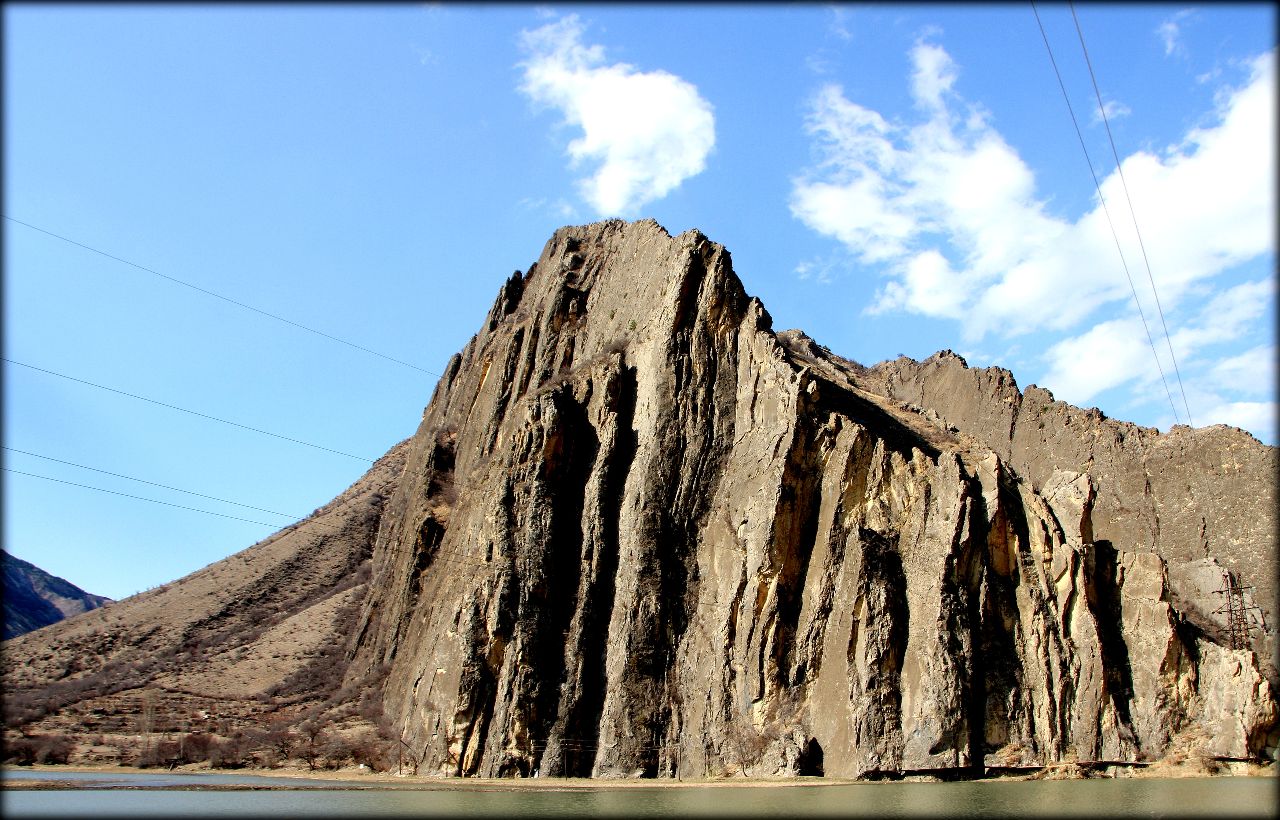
<point>33,598</point>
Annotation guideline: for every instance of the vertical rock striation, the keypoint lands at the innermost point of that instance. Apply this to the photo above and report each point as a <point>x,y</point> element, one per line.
<point>641,534</point>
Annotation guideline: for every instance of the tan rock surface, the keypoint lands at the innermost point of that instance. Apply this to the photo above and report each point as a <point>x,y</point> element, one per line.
<point>639,533</point>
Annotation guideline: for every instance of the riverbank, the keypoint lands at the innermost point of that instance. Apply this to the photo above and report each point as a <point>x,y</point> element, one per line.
<point>357,778</point>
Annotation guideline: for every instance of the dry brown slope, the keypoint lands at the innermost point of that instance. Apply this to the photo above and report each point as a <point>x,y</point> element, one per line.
<point>231,630</point>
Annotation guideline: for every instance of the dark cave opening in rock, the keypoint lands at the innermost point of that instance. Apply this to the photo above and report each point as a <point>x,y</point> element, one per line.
<point>810,762</point>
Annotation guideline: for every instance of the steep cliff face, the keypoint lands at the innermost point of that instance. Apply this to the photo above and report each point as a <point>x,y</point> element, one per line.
<point>1205,499</point>
<point>640,534</point>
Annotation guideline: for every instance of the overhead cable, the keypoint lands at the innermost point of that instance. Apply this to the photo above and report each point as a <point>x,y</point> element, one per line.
<point>153,483</point>
<point>1107,212</point>
<point>1102,109</point>
<point>208,292</point>
<point>138,497</point>
<point>185,410</point>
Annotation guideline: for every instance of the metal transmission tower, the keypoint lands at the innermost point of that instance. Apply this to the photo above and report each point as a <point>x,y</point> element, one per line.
<point>1237,611</point>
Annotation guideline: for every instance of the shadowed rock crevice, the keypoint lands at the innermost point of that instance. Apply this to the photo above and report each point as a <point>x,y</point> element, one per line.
<point>572,752</point>
<point>1102,594</point>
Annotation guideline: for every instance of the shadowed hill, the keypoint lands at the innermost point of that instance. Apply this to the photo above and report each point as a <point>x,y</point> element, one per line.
<point>33,598</point>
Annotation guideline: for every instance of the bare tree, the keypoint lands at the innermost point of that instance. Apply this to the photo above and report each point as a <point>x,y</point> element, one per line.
<point>313,740</point>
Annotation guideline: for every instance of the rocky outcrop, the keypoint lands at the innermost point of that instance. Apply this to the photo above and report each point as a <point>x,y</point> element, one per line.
<point>638,533</point>
<point>1204,500</point>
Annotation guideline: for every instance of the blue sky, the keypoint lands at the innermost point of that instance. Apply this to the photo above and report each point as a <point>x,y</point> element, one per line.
<point>892,179</point>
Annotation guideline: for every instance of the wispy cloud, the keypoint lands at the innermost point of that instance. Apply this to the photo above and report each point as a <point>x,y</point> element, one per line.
<point>838,23</point>
<point>1170,32</point>
<point>1113,110</point>
<point>1117,352</point>
<point>947,212</point>
<point>559,208</point>
<point>822,270</point>
<point>425,55</point>
<point>645,132</point>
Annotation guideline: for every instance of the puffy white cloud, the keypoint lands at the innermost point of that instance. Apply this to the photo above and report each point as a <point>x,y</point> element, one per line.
<point>1252,373</point>
<point>1224,317</point>
<point>1258,417</point>
<point>934,75</point>
<point>1108,355</point>
<point>947,213</point>
<point>952,185</point>
<point>645,132</point>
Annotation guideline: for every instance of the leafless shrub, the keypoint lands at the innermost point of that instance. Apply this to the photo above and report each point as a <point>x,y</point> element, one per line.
<point>25,751</point>
<point>160,753</point>
<point>370,750</point>
<point>229,754</point>
<point>54,749</point>
<point>280,739</point>
<point>337,751</point>
<point>371,705</point>
<point>743,745</point>
<point>21,752</point>
<point>194,747</point>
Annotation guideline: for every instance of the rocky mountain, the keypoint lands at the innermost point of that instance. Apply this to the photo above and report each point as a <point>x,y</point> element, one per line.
<point>640,533</point>
<point>33,598</point>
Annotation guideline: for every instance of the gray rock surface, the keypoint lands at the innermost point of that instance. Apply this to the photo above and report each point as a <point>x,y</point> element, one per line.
<point>639,533</point>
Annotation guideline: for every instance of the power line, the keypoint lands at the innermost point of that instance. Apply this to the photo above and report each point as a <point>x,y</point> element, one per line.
<point>154,484</point>
<point>139,498</point>
<point>1106,211</point>
<point>1102,109</point>
<point>185,410</point>
<point>235,302</point>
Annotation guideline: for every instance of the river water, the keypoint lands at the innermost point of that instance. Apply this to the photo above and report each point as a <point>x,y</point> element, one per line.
<point>142,795</point>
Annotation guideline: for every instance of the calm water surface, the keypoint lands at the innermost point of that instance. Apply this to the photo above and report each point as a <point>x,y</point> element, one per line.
<point>1145,797</point>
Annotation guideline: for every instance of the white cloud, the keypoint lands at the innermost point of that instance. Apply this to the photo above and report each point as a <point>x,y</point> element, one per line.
<point>1252,373</point>
<point>947,213</point>
<point>838,24</point>
<point>645,132</point>
<point>950,184</point>
<point>1117,352</point>
<point>425,55</point>
<point>1108,355</point>
<point>1258,417</point>
<point>1225,317</point>
<point>934,75</point>
<point>1113,110</point>
<point>1170,32</point>
<point>558,208</point>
